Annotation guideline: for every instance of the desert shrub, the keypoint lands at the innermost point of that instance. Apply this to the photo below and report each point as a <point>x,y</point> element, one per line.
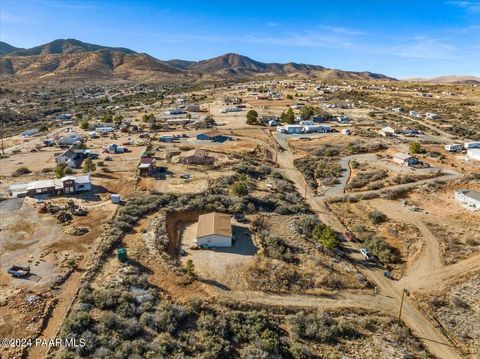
<point>239,188</point>
<point>321,327</point>
<point>21,171</point>
<point>166,318</point>
<point>306,224</point>
<point>403,179</point>
<point>384,252</point>
<point>76,324</point>
<point>276,248</point>
<point>377,217</point>
<point>314,168</point>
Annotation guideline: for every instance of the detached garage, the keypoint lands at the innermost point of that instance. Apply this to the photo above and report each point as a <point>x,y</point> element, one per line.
<point>214,230</point>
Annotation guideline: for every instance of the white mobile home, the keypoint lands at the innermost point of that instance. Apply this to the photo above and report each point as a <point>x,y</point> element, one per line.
<point>454,147</point>
<point>468,145</point>
<point>468,198</point>
<point>474,153</point>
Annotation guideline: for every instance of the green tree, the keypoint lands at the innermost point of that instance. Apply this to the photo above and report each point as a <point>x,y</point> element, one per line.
<point>88,166</point>
<point>288,117</point>
<point>84,125</point>
<point>148,118</point>
<point>209,121</point>
<point>107,119</point>
<point>289,97</point>
<point>118,119</point>
<point>60,171</point>
<point>43,128</point>
<point>307,112</point>
<point>239,188</point>
<point>189,268</point>
<point>328,238</point>
<point>252,117</point>
<point>415,147</point>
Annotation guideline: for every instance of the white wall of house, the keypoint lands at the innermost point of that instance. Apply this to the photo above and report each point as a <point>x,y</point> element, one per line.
<point>466,200</point>
<point>214,240</point>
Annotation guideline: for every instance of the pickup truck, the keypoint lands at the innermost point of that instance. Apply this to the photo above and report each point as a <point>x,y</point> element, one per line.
<point>366,254</point>
<point>18,271</point>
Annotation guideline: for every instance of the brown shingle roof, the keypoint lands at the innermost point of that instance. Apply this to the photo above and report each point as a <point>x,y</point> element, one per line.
<point>196,152</point>
<point>214,223</point>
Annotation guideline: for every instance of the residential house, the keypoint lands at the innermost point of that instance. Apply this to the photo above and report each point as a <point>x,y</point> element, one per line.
<point>114,148</point>
<point>342,119</point>
<point>309,126</point>
<point>454,147</point>
<point>214,230</point>
<point>30,133</point>
<point>196,157</point>
<point>290,129</point>
<point>146,166</point>
<point>468,198</point>
<point>214,136</point>
<point>468,145</point>
<point>474,153</point>
<point>64,185</point>
<point>69,158</point>
<point>404,159</point>
<point>67,141</point>
<point>178,121</point>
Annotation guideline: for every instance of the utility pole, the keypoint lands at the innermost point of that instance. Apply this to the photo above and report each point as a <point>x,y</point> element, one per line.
<point>3,130</point>
<point>401,305</point>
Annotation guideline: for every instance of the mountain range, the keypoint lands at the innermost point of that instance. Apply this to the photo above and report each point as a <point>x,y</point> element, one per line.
<point>70,59</point>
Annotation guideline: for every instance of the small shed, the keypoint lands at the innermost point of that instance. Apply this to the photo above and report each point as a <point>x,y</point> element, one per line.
<point>146,166</point>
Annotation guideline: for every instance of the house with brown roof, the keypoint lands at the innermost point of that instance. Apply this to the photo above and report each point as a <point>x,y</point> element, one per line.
<point>214,230</point>
<point>196,157</point>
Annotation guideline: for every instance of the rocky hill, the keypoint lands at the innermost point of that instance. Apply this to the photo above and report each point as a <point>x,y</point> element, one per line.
<point>6,49</point>
<point>72,59</point>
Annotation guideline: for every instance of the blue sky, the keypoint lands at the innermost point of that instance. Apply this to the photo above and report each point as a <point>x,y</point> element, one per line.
<point>402,38</point>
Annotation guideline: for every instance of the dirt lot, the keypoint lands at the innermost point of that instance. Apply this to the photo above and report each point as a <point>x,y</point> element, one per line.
<point>456,228</point>
<point>221,267</point>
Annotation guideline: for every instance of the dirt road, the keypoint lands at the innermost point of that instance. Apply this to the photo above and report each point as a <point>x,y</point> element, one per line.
<point>432,337</point>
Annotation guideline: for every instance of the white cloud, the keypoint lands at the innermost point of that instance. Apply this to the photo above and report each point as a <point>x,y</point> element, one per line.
<point>343,30</point>
<point>473,6</point>
<point>8,18</point>
<point>423,47</point>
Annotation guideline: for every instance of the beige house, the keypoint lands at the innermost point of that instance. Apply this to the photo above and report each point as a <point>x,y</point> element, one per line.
<point>196,157</point>
<point>214,230</point>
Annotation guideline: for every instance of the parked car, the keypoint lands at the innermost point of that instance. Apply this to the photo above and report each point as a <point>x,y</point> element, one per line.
<point>349,236</point>
<point>185,176</point>
<point>366,254</point>
<point>388,275</point>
